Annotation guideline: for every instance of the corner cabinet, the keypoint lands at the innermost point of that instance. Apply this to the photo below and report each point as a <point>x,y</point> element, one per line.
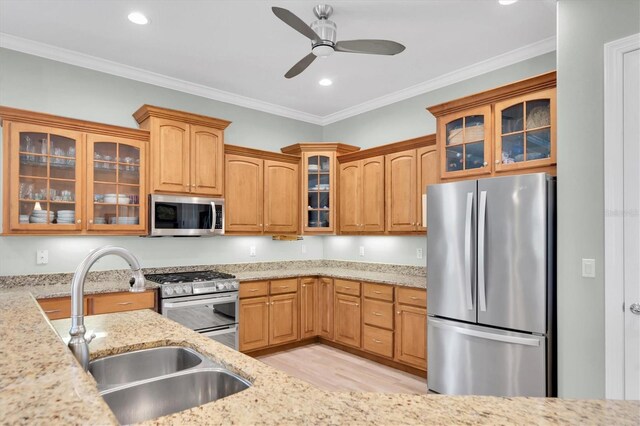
<point>262,194</point>
<point>65,176</point>
<point>318,210</point>
<point>507,130</point>
<point>187,151</point>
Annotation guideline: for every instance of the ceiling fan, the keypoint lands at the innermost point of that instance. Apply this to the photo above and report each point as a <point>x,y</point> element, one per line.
<point>322,34</point>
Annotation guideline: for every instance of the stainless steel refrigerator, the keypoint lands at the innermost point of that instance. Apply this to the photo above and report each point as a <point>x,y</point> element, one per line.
<point>491,286</point>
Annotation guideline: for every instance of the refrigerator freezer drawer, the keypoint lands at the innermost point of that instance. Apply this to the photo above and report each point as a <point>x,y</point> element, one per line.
<point>468,359</point>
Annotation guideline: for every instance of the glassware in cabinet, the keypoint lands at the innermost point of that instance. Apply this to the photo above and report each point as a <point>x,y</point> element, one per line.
<point>44,182</point>
<point>115,193</point>
<point>319,179</point>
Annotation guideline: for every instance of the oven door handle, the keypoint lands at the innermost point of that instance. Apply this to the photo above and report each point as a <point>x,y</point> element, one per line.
<point>214,301</point>
<point>226,330</point>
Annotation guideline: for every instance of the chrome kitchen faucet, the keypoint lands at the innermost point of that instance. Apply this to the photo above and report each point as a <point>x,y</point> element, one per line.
<point>78,344</point>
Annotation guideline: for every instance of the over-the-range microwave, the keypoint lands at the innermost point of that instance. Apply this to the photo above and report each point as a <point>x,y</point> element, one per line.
<point>184,216</point>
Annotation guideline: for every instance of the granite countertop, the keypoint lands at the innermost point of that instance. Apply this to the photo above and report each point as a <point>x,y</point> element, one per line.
<point>40,382</point>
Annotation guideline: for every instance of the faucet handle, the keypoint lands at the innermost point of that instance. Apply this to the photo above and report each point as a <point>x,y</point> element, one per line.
<point>93,336</point>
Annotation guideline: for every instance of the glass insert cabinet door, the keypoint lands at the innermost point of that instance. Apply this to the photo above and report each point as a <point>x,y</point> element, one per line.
<point>467,140</point>
<point>525,131</point>
<point>45,178</point>
<point>114,175</point>
<point>318,216</point>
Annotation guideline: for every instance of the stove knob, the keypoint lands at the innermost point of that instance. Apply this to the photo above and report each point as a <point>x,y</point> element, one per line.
<point>168,291</point>
<point>220,286</point>
<point>234,285</point>
<point>187,289</point>
<point>179,290</point>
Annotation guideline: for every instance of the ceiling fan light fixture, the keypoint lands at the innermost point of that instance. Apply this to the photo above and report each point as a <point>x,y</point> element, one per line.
<point>322,50</point>
<point>507,2</point>
<point>325,82</point>
<point>138,18</point>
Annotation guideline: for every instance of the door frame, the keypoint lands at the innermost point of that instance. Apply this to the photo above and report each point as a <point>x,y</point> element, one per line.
<point>614,213</point>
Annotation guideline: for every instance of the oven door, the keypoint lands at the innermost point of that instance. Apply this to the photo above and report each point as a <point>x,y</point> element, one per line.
<point>204,314</point>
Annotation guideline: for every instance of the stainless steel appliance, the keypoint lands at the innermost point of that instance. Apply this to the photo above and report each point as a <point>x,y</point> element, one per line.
<point>204,301</point>
<point>182,216</point>
<point>491,286</point>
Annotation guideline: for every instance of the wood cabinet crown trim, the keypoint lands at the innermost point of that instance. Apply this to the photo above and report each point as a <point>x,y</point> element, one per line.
<point>533,84</point>
<point>49,120</point>
<point>419,142</point>
<point>258,153</point>
<point>299,148</point>
<point>146,111</point>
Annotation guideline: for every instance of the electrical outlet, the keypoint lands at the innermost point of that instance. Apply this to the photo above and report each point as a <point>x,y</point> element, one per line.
<point>42,257</point>
<point>303,249</point>
<point>589,268</point>
<point>419,253</point>
<point>361,251</point>
<point>252,251</point>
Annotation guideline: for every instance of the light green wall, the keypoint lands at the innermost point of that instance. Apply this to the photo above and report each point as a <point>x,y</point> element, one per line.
<point>409,118</point>
<point>583,28</point>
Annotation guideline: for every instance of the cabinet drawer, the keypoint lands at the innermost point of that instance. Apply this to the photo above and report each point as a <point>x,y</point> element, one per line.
<point>58,307</point>
<point>378,313</point>
<point>120,302</point>
<point>347,287</point>
<point>254,289</point>
<point>412,296</point>
<point>378,341</point>
<point>284,286</point>
<point>378,291</point>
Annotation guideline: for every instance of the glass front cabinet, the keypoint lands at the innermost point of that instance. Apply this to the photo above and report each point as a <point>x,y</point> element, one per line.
<point>65,180</point>
<point>467,143</point>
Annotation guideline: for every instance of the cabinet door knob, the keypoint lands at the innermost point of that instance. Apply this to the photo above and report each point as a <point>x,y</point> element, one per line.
<point>497,161</point>
<point>357,304</point>
<point>485,164</point>
<point>91,221</point>
<point>79,221</point>
<point>398,312</point>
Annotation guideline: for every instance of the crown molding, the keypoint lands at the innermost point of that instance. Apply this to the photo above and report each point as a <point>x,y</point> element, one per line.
<point>509,58</point>
<point>48,51</point>
<point>72,57</point>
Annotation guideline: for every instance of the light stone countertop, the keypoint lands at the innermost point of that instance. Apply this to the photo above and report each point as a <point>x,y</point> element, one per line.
<point>40,382</point>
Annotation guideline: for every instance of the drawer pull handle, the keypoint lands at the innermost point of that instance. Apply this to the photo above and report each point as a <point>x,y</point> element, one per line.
<point>357,304</point>
<point>377,292</point>
<point>253,289</point>
<point>377,341</point>
<point>53,311</point>
<point>414,298</point>
<point>347,288</point>
<point>378,314</point>
<point>284,286</point>
<point>124,303</point>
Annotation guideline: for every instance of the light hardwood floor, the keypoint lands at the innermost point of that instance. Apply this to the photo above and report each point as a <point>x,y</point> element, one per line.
<point>332,369</point>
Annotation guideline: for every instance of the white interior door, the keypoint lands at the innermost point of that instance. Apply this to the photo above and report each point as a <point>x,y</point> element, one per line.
<point>631,219</point>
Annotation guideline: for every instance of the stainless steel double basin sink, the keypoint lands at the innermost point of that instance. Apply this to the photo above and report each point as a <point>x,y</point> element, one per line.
<point>150,383</point>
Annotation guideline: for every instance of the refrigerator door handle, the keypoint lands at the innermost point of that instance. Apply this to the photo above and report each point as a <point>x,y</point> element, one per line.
<point>484,335</point>
<point>481,231</point>
<point>467,251</point>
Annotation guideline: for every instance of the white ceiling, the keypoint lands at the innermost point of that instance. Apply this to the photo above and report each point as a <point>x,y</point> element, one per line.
<point>240,47</point>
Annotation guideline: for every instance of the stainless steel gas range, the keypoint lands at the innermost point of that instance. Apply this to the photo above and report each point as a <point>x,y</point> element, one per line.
<point>204,301</point>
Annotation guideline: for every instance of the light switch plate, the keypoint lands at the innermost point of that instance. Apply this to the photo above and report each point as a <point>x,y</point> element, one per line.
<point>252,251</point>
<point>361,251</point>
<point>419,253</point>
<point>589,268</point>
<point>42,257</point>
<point>304,249</point>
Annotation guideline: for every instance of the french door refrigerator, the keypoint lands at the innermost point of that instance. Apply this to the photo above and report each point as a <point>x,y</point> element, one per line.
<point>491,286</point>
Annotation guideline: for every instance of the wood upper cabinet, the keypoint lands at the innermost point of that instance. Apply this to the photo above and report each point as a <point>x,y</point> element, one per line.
<point>317,206</point>
<point>428,174</point>
<point>245,192</point>
<point>187,151</point>
<point>309,315</point>
<point>66,176</point>
<point>281,197</point>
<point>466,138</point>
<point>525,131</point>
<point>401,192</point>
<point>348,320</point>
<point>325,308</point>
<point>507,130</point>
<point>254,323</point>
<point>411,335</point>
<point>362,195</point>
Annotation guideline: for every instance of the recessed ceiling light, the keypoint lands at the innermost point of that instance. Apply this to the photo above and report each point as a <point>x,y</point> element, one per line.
<point>138,18</point>
<point>325,82</point>
<point>507,2</point>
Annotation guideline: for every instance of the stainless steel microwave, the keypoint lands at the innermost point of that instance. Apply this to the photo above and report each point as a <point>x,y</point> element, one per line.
<point>184,216</point>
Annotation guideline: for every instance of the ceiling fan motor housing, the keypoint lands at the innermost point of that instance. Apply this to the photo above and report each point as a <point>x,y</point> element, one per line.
<point>326,30</point>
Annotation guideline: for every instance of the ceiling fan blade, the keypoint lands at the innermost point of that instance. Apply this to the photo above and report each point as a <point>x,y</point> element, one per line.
<point>375,47</point>
<point>301,65</point>
<point>296,23</point>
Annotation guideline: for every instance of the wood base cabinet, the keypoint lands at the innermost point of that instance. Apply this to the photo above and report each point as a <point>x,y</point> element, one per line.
<point>268,320</point>
<point>105,303</point>
<point>411,327</point>
<point>347,320</point>
<point>325,308</point>
<point>309,308</point>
